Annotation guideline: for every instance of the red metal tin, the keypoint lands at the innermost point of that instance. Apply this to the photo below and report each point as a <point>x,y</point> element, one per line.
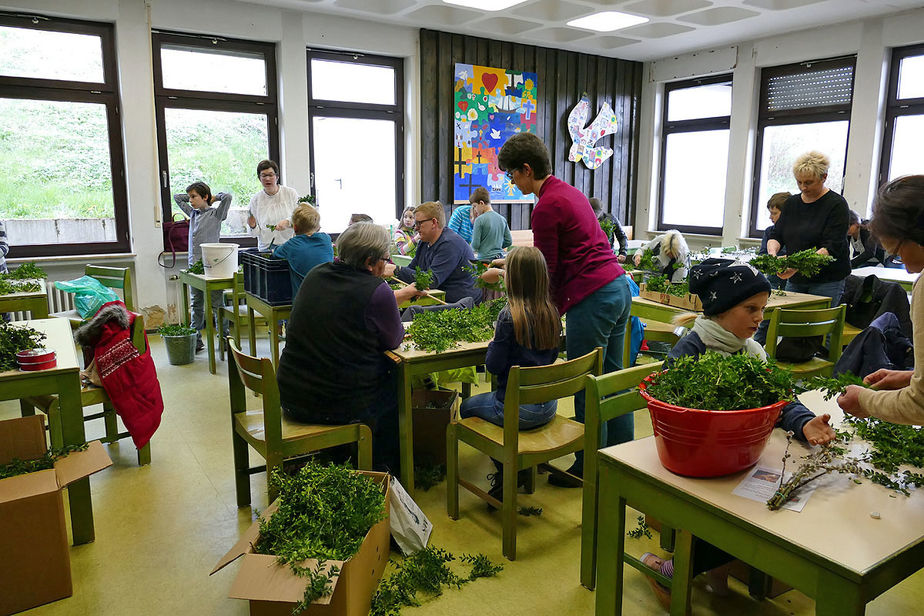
<point>36,359</point>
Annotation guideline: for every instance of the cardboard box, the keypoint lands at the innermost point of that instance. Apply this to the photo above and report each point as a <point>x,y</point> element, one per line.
<point>433,409</point>
<point>273,590</point>
<point>35,567</point>
<point>689,301</point>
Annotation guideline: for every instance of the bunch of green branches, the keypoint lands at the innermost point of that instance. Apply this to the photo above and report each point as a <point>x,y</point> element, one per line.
<point>324,513</point>
<point>426,571</point>
<point>722,382</point>
<point>807,261</point>
<point>197,268</point>
<point>26,271</point>
<point>423,279</point>
<point>440,330</point>
<point>14,339</point>
<point>176,329</point>
<point>20,467</point>
<point>477,269</point>
<point>827,459</point>
<point>609,227</point>
<point>18,286</point>
<point>647,263</point>
<point>661,284</point>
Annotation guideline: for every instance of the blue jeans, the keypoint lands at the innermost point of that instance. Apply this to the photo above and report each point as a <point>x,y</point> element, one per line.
<point>600,321</point>
<point>834,290</point>
<point>488,407</point>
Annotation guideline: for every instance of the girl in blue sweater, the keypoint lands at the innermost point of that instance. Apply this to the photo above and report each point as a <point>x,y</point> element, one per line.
<point>527,333</point>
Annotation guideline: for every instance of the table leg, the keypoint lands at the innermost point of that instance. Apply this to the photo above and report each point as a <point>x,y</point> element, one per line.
<point>838,597</point>
<point>611,541</point>
<point>209,328</point>
<point>274,337</point>
<point>78,493</point>
<point>682,582</point>
<point>185,292</point>
<point>253,331</point>
<point>406,427</point>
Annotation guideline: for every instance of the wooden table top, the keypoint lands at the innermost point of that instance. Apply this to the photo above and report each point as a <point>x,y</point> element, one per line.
<point>59,337</point>
<point>886,273</point>
<point>835,523</point>
<point>776,301</point>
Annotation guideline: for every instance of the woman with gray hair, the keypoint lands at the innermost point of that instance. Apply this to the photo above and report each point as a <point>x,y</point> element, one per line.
<point>333,369</point>
<point>815,218</point>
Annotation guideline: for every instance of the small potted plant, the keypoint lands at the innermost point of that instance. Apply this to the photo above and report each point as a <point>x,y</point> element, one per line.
<point>180,341</point>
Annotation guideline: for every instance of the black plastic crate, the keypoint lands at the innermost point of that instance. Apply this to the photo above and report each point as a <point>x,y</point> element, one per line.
<point>267,277</point>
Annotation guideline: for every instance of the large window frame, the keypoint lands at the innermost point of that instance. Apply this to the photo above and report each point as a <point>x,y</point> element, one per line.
<point>788,117</point>
<point>896,108</point>
<point>165,98</point>
<point>686,126</point>
<point>318,107</point>
<point>106,93</point>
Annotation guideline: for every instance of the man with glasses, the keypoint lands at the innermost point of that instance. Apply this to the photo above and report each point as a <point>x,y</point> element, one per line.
<point>443,252</point>
<point>270,210</point>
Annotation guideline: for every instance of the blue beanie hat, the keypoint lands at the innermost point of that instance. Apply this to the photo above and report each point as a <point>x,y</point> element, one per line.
<point>722,284</point>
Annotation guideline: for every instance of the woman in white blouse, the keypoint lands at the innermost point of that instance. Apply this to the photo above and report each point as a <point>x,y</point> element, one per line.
<point>271,209</point>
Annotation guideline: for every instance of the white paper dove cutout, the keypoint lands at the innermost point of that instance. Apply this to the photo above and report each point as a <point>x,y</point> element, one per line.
<point>584,139</point>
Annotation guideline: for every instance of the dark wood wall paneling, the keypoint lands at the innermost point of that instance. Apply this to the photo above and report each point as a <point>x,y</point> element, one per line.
<point>563,76</point>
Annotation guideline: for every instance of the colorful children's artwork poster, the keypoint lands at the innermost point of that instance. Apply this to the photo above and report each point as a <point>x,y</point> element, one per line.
<point>491,104</point>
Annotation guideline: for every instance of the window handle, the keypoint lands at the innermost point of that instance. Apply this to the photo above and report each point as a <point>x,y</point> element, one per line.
<point>163,175</point>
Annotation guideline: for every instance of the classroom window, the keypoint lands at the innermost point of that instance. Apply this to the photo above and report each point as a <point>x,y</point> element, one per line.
<point>694,155</point>
<point>356,136</point>
<point>60,138</point>
<point>216,108</point>
<point>904,125</point>
<point>803,107</point>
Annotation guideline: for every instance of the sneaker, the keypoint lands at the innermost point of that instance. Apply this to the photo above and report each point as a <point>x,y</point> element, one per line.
<point>497,485</point>
<point>199,345</point>
<point>564,481</point>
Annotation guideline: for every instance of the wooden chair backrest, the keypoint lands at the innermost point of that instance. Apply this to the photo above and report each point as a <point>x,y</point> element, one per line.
<point>114,278</point>
<point>794,322</point>
<point>137,331</point>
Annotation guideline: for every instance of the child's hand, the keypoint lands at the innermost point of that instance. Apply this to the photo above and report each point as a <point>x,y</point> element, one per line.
<point>492,275</point>
<point>817,431</point>
<point>637,258</point>
<point>282,225</point>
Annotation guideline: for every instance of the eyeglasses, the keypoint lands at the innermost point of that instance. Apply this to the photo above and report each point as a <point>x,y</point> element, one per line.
<point>417,222</point>
<point>509,174</point>
<point>387,260</point>
<point>266,176</point>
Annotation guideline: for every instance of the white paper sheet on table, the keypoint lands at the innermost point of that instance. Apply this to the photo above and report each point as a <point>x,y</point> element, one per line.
<point>762,482</point>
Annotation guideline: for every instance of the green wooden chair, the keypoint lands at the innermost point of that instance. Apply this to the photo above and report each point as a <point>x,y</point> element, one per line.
<point>236,313</point>
<point>788,322</point>
<point>113,277</point>
<point>90,395</point>
<point>515,449</point>
<point>269,432</point>
<point>608,397</point>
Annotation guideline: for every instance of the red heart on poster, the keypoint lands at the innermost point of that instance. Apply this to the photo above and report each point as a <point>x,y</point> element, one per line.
<point>463,105</point>
<point>489,80</point>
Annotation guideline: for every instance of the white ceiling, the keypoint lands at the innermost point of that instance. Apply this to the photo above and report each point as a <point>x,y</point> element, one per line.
<point>675,26</point>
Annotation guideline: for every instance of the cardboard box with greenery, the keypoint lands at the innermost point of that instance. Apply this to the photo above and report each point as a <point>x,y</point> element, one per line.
<point>273,589</point>
<point>35,566</point>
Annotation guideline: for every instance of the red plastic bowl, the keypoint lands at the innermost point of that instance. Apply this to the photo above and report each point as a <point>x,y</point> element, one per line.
<point>701,443</point>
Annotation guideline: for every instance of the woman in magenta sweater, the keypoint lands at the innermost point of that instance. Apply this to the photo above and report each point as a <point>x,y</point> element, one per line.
<point>586,279</point>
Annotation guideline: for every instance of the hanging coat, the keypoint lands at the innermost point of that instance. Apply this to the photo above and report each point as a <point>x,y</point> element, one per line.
<point>129,377</point>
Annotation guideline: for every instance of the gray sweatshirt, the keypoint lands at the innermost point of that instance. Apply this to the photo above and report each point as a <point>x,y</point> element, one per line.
<point>204,225</point>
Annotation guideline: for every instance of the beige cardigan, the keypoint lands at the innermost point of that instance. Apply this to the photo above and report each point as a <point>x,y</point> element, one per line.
<point>906,405</point>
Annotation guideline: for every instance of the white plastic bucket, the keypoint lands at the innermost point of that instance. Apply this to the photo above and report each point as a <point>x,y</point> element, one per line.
<point>219,260</point>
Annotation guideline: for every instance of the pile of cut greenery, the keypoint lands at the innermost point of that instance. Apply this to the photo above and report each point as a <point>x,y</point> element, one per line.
<point>426,571</point>
<point>890,447</point>
<point>722,382</point>
<point>176,329</point>
<point>18,286</point>
<point>14,339</point>
<point>440,330</point>
<point>197,268</point>
<point>422,279</point>
<point>660,284</point>
<point>324,514</point>
<point>609,227</point>
<point>20,467</point>
<point>647,263</point>
<point>26,271</point>
<point>807,261</point>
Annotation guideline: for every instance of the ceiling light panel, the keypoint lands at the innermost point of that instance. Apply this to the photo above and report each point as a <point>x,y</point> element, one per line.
<point>607,21</point>
<point>486,5</point>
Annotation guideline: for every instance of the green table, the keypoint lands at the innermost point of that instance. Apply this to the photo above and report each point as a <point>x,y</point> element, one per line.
<point>833,551</point>
<point>412,362</point>
<point>63,380</point>
<point>206,285</point>
<point>888,274</point>
<point>36,302</point>
<point>273,315</point>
